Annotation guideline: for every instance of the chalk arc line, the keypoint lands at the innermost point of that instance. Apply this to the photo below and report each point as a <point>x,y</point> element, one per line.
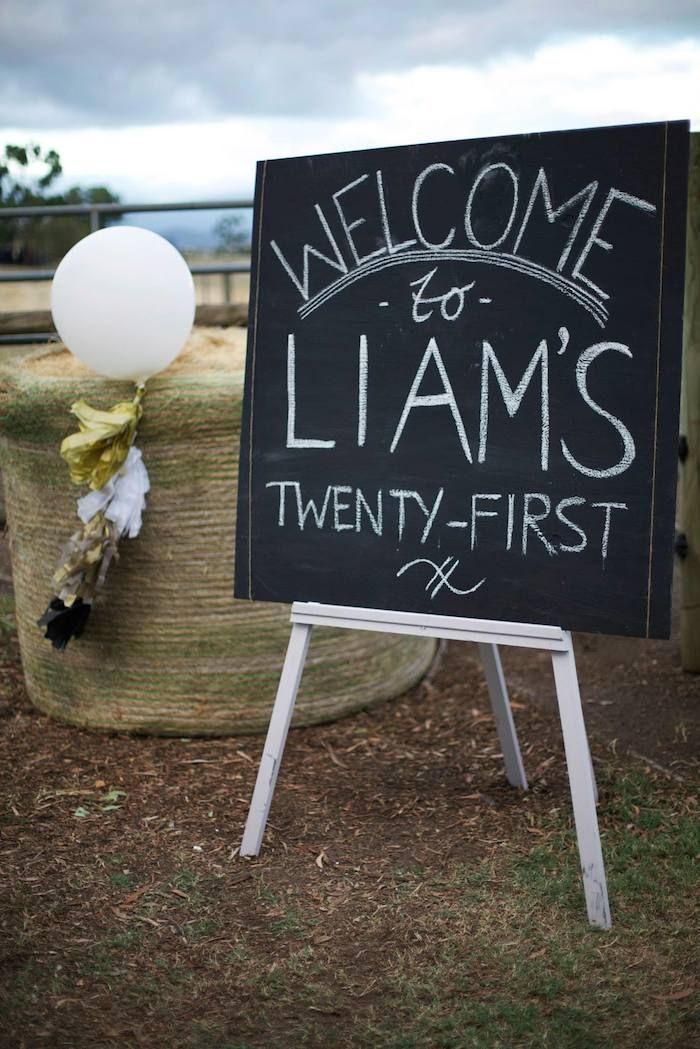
<point>472,256</point>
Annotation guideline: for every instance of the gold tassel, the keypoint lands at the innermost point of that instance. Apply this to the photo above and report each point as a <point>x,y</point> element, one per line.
<point>85,560</point>
<point>93,456</point>
<point>96,453</point>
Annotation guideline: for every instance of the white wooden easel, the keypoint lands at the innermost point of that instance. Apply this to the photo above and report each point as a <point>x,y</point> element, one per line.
<point>488,634</point>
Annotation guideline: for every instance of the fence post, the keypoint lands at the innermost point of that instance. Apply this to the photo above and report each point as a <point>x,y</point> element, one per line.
<point>690,426</point>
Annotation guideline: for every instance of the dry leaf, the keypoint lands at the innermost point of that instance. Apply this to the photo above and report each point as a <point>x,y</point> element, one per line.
<point>321,859</point>
<point>135,895</point>
<point>332,755</point>
<point>242,876</point>
<point>675,996</point>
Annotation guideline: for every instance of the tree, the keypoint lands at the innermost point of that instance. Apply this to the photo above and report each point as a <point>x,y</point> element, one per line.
<point>232,234</point>
<point>16,187</point>
<point>27,174</point>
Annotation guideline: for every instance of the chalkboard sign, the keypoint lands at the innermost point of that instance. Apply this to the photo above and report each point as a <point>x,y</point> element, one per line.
<point>462,379</point>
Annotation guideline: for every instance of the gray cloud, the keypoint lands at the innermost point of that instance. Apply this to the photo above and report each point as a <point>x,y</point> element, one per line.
<point>68,63</point>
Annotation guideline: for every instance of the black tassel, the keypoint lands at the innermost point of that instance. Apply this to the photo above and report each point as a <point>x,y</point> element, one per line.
<point>63,622</point>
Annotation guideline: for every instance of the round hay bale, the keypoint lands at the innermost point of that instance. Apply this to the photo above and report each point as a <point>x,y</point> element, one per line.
<point>167,649</point>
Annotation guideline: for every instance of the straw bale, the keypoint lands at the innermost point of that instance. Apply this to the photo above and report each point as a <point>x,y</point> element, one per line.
<point>167,650</point>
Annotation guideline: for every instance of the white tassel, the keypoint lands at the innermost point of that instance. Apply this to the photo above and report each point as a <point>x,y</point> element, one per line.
<point>123,498</point>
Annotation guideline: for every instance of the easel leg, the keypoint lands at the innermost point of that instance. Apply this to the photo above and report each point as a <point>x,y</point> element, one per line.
<point>491,660</point>
<point>595,785</point>
<point>276,739</point>
<point>582,783</point>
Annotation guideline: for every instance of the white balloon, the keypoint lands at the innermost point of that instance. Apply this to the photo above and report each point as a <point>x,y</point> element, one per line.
<point>123,301</point>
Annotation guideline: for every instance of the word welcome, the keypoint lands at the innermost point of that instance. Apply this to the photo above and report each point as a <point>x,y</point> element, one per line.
<point>362,219</point>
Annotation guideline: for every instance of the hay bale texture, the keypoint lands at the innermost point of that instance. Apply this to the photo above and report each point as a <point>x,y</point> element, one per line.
<point>167,650</point>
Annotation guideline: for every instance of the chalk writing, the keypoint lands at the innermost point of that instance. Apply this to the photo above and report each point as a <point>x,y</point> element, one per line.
<point>451,302</point>
<point>512,397</point>
<point>469,256</point>
<point>461,378</point>
<point>416,516</point>
<point>391,252</point>
<point>441,576</point>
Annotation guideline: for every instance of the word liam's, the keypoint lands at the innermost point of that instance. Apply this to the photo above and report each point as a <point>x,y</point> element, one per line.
<point>492,379</point>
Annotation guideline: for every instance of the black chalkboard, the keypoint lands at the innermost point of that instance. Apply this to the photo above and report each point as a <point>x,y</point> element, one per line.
<point>462,379</point>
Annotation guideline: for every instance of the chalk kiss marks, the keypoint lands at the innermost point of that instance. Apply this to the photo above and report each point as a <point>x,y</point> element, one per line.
<point>441,576</point>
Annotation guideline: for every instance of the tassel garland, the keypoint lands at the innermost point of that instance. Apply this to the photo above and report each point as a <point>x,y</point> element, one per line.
<point>123,497</point>
<point>101,455</point>
<point>103,441</point>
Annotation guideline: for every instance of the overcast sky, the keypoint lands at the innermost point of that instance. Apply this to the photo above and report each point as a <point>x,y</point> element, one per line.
<point>163,99</point>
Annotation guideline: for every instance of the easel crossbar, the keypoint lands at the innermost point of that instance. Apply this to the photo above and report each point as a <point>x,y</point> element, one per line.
<point>491,631</point>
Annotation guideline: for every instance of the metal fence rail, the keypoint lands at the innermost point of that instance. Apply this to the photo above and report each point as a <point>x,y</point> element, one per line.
<point>96,213</point>
<point>18,276</point>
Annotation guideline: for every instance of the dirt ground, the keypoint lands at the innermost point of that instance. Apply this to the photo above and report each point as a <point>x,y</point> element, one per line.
<point>112,843</point>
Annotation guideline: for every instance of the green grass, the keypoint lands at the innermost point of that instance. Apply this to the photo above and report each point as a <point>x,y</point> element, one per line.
<point>490,954</point>
<point>101,963</point>
<point>498,955</point>
<point>121,881</point>
<point>28,984</point>
<point>287,919</point>
<point>185,881</point>
<point>650,855</point>
<point>200,929</point>
<point>518,966</point>
<point>129,939</point>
